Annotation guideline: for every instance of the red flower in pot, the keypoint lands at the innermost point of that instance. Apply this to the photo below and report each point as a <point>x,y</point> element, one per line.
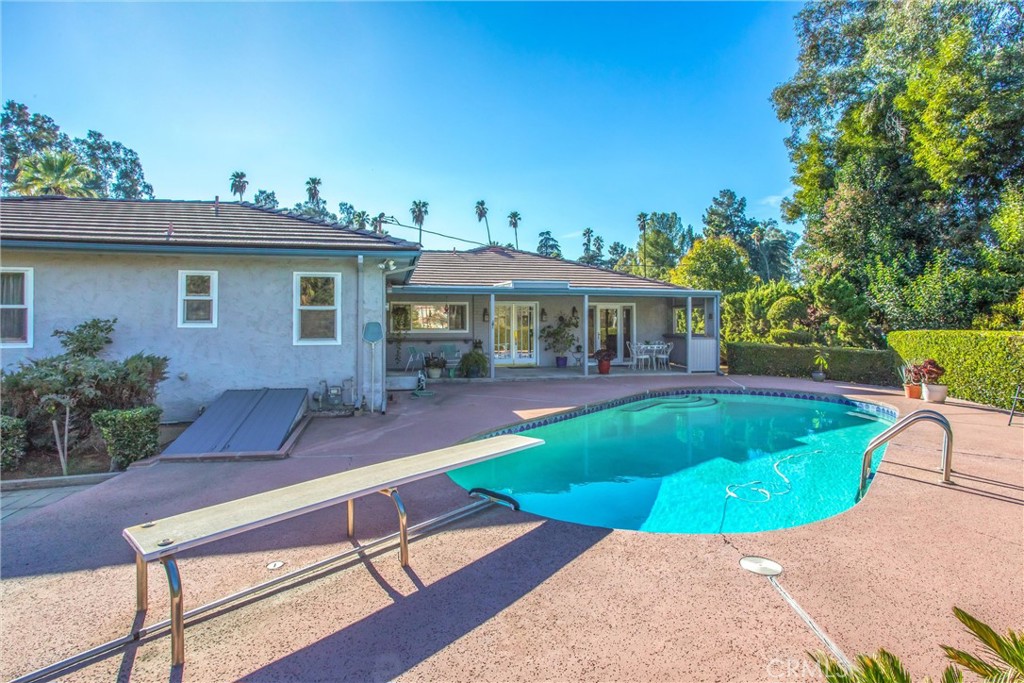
<point>604,359</point>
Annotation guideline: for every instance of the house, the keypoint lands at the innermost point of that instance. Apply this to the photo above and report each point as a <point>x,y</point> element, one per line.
<point>235,295</point>
<point>502,299</point>
<point>239,297</point>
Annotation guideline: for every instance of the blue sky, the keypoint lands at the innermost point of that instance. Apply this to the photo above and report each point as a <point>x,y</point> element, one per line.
<point>575,115</point>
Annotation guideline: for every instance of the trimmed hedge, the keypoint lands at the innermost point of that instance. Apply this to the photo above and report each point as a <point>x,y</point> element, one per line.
<point>13,438</point>
<point>130,434</point>
<point>844,364</point>
<point>981,366</point>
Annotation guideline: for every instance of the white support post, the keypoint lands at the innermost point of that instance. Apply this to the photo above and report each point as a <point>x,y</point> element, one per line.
<point>689,335</point>
<point>718,334</point>
<point>490,324</point>
<point>586,335</point>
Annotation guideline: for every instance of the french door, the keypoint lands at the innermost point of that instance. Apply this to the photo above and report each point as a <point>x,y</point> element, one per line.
<point>515,334</point>
<point>611,328</point>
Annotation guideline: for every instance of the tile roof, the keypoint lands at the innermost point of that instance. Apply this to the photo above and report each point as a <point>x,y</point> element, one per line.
<point>497,266</point>
<point>193,224</point>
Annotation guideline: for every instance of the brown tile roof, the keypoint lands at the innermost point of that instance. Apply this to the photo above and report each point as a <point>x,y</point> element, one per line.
<point>195,224</point>
<point>495,266</point>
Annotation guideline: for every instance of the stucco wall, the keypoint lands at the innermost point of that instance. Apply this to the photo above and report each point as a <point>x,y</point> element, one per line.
<point>251,347</point>
<point>653,320</point>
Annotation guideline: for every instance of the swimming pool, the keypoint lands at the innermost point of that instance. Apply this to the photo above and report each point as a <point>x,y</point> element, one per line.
<point>693,462</point>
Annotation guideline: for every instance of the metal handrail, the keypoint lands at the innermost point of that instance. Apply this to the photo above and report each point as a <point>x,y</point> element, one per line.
<point>902,424</point>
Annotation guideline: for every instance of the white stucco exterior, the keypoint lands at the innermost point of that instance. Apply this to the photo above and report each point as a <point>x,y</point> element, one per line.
<point>252,345</point>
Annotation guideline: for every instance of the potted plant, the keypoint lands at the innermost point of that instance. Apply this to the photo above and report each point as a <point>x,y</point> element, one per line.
<point>604,360</point>
<point>820,363</point>
<point>930,374</point>
<point>560,337</point>
<point>473,364</point>
<point>434,366</point>
<point>910,373</point>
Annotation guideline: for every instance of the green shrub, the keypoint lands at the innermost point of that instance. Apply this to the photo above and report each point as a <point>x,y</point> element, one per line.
<point>12,442</point>
<point>844,364</point>
<point>130,434</point>
<point>786,312</point>
<point>981,366</point>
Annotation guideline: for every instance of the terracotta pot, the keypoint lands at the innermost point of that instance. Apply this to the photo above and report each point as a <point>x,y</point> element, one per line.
<point>604,367</point>
<point>912,390</point>
<point>935,393</point>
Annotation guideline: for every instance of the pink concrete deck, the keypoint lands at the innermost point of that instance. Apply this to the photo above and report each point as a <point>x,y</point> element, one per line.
<point>512,597</point>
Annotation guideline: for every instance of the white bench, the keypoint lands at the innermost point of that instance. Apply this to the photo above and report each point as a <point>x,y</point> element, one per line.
<point>163,539</point>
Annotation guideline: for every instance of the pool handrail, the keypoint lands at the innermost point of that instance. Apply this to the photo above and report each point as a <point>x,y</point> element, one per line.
<point>903,423</point>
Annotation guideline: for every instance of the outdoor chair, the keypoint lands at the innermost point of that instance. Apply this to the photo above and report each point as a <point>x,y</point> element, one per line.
<point>415,355</point>
<point>634,355</point>
<point>451,353</point>
<point>661,355</point>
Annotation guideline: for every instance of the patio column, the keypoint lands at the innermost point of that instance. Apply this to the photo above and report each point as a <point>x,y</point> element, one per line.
<point>490,325</point>
<point>718,334</point>
<point>689,334</point>
<point>586,335</point>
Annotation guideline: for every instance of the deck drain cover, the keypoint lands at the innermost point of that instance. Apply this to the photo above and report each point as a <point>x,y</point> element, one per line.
<point>276,564</point>
<point>761,565</point>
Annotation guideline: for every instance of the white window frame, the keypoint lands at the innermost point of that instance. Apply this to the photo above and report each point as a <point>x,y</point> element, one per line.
<point>29,307</point>
<point>297,308</point>
<point>183,296</point>
<point>431,302</point>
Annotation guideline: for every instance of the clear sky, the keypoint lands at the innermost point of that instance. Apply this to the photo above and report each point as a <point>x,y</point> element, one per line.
<point>575,115</point>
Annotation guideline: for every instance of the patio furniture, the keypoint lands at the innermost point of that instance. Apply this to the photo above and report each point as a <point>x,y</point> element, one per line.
<point>661,355</point>
<point>163,539</point>
<point>450,353</point>
<point>414,355</point>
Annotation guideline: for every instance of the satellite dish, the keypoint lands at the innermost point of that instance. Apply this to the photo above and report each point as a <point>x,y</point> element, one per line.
<point>372,332</point>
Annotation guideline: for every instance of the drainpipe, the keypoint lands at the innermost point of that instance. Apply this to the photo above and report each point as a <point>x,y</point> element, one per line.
<point>586,335</point>
<point>490,324</point>
<point>382,364</point>
<point>359,330</point>
<point>689,335</point>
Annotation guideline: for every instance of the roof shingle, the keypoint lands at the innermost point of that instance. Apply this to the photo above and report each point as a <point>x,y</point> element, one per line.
<point>171,224</point>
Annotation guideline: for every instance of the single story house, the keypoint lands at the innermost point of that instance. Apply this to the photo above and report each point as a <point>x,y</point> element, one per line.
<point>501,299</point>
<point>241,297</point>
<point>237,297</point>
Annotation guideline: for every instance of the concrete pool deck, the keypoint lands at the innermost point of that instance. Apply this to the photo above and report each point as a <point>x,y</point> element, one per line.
<point>513,597</point>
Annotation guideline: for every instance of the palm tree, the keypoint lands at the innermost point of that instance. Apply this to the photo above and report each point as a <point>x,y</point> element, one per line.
<point>360,219</point>
<point>513,222</point>
<point>378,222</point>
<point>53,173</point>
<point>641,222</point>
<point>419,212</point>
<point>313,190</point>
<point>481,215</point>
<point>773,249</point>
<point>239,184</point>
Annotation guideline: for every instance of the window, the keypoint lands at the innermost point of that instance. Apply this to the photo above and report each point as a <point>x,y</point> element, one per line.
<point>16,307</point>
<point>197,298</point>
<point>317,309</point>
<point>429,317</point>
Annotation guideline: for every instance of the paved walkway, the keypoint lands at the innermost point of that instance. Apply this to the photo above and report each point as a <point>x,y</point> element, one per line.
<point>506,596</point>
<point>17,504</point>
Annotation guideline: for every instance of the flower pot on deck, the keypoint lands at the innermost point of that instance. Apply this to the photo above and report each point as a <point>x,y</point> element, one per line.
<point>561,361</point>
<point>935,393</point>
<point>912,390</point>
<point>818,376</point>
<point>604,366</point>
<point>434,373</point>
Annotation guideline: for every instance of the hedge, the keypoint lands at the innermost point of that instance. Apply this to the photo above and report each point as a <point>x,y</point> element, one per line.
<point>981,366</point>
<point>13,438</point>
<point>130,434</point>
<point>844,364</point>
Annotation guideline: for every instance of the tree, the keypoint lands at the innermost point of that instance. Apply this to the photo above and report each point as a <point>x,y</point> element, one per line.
<point>239,184</point>
<point>481,215</point>
<point>360,219</point>
<point>116,169</point>
<point>599,251</point>
<point>771,251</point>
<point>378,223</point>
<point>53,173</point>
<point>513,222</point>
<point>616,252</point>
<point>548,245</point>
<point>715,263</point>
<point>345,213</point>
<point>641,224</point>
<point>419,212</point>
<point>313,190</point>
<point>266,200</point>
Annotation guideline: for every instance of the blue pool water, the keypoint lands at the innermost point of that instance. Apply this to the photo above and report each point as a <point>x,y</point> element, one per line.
<point>702,463</point>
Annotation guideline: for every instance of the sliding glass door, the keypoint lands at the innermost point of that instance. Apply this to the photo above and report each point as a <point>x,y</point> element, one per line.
<point>612,327</point>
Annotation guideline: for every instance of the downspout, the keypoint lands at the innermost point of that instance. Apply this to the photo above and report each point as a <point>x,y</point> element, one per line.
<point>359,330</point>
<point>586,335</point>
<point>383,374</point>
